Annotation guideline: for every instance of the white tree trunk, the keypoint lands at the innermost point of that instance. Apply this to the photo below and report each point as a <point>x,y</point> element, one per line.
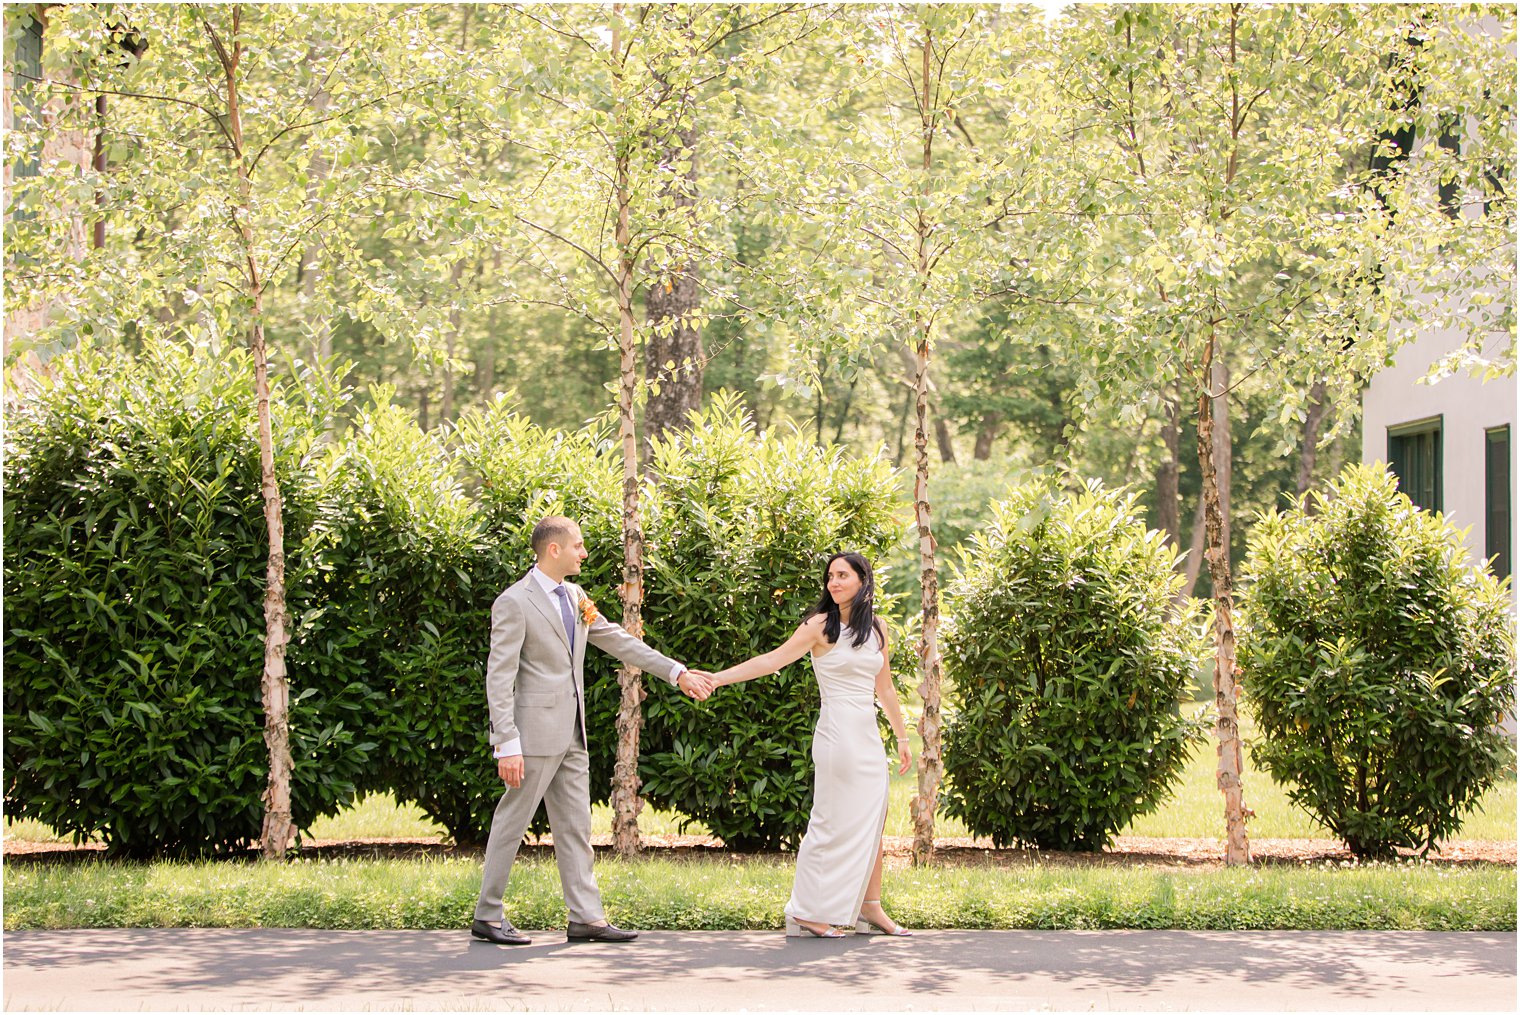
<point>931,764</point>
<point>1227,722</point>
<point>278,827</point>
<point>626,803</point>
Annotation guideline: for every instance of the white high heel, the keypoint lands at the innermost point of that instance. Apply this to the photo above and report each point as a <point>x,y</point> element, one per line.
<point>795,929</point>
<point>864,926</point>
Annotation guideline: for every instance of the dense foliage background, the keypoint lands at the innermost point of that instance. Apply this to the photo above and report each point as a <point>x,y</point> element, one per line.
<point>805,245</point>
<point>431,199</point>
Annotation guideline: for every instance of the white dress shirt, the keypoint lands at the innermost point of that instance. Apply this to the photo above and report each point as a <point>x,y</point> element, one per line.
<point>513,747</point>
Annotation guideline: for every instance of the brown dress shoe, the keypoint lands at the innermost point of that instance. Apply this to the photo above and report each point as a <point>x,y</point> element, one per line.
<point>588,932</point>
<point>506,934</point>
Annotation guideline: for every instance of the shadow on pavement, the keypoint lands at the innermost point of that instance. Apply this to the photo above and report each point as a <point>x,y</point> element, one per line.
<point>310,964</point>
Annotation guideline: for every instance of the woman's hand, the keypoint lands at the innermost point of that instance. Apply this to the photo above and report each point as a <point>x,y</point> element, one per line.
<point>904,757</point>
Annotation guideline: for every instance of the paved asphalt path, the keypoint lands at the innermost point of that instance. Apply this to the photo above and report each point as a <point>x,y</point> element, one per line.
<point>965,970</point>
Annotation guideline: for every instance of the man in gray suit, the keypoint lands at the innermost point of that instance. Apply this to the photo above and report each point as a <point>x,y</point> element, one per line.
<point>536,692</point>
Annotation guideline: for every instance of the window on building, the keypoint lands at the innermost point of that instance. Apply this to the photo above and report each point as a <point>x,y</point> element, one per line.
<point>1414,455</point>
<point>26,65</point>
<point>1496,176</point>
<point>1451,192</point>
<point>1496,500</point>
<point>1494,188</point>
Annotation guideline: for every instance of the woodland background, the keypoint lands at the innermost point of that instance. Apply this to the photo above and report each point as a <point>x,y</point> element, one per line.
<point>1163,247</point>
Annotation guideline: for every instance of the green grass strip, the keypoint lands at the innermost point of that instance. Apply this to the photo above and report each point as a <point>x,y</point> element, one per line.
<point>749,895</point>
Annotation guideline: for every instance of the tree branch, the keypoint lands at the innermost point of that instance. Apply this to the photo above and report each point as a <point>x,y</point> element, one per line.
<point>148,96</point>
<point>324,119</point>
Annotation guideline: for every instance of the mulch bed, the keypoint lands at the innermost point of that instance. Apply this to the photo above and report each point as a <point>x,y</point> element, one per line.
<point>1126,851</point>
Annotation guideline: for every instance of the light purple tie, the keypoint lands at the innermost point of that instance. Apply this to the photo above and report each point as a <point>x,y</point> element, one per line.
<point>564,614</point>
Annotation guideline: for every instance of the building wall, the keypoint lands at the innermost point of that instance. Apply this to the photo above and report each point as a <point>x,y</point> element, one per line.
<point>1468,407</point>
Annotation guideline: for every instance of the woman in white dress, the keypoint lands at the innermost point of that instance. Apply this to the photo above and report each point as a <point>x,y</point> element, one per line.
<point>839,863</point>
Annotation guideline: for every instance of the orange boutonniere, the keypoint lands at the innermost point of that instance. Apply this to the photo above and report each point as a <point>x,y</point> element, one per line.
<point>589,615</point>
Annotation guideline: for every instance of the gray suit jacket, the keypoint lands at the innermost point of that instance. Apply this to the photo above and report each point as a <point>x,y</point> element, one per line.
<point>533,685</point>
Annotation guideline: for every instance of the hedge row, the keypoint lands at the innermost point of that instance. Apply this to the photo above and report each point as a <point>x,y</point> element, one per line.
<point>1375,660</point>
<point>134,564</point>
<point>134,561</point>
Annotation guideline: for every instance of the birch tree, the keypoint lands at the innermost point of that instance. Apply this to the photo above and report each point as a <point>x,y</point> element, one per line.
<point>1242,132</point>
<point>931,200</point>
<point>599,196</point>
<point>209,129</point>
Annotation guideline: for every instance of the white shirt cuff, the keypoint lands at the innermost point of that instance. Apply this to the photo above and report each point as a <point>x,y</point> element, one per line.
<point>676,671</point>
<point>508,749</point>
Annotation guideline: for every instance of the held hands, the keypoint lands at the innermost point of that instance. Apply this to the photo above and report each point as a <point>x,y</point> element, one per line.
<point>697,684</point>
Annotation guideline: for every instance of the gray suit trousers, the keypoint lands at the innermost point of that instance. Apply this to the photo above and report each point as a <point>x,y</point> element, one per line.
<point>562,782</point>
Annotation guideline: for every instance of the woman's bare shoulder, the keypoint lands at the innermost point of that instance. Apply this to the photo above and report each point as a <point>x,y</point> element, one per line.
<point>814,625</point>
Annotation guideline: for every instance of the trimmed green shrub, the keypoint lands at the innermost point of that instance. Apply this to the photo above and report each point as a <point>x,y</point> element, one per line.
<point>1378,663</point>
<point>423,534</point>
<point>400,554</point>
<point>1066,667</point>
<point>135,554</point>
<point>521,472</point>
<point>739,525</point>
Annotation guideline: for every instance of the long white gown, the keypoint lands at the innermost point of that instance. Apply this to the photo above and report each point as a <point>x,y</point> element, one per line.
<point>849,812</point>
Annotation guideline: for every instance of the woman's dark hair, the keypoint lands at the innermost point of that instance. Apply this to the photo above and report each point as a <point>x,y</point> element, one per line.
<point>862,610</point>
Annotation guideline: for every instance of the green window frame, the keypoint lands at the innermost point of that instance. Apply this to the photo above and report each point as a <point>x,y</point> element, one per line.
<point>1414,455</point>
<point>1449,190</point>
<point>23,65</point>
<point>1497,508</point>
<point>26,63</point>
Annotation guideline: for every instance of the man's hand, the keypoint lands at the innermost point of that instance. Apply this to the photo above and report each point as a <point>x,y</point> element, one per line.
<point>510,769</point>
<point>697,684</point>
